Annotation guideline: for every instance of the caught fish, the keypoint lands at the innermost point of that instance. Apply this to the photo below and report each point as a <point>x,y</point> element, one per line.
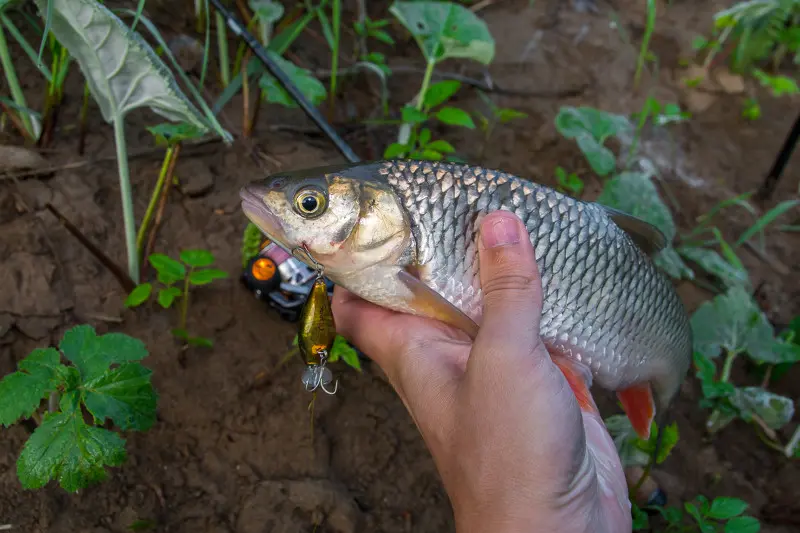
<point>403,235</point>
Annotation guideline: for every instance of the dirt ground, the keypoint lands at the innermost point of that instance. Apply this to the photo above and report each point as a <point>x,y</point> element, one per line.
<point>232,450</point>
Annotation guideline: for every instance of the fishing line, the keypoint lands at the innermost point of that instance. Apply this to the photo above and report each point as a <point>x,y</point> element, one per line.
<point>312,112</point>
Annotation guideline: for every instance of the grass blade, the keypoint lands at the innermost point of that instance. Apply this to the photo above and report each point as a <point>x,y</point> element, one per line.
<point>47,21</point>
<point>26,47</point>
<point>765,220</point>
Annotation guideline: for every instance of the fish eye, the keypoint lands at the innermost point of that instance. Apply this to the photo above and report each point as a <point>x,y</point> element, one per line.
<point>310,202</point>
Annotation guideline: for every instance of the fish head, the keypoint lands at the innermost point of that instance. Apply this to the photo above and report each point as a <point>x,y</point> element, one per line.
<point>346,216</point>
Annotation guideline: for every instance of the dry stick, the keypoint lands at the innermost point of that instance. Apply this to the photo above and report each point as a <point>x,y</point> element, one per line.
<point>15,120</point>
<point>86,162</point>
<point>124,279</point>
<point>247,125</point>
<point>164,196</point>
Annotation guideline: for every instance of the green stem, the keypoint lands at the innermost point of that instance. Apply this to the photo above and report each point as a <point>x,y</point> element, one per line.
<point>426,81</point>
<point>151,207</point>
<point>84,118</point>
<point>222,46</point>
<point>127,199</point>
<point>726,375</point>
<point>185,300</point>
<point>13,84</point>
<point>337,20</point>
<point>648,33</point>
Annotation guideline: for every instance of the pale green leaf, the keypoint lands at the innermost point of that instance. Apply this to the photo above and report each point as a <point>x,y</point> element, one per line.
<point>267,11</point>
<point>446,30</point>
<point>122,70</point>
<point>734,322</point>
<point>123,394</point>
<point>66,449</point>
<point>635,194</point>
<point>670,262</point>
<point>775,410</point>
<point>714,264</point>
<point>412,115</point>
<point>21,392</point>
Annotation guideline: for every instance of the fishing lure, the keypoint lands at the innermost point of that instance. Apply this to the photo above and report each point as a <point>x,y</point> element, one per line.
<point>317,332</point>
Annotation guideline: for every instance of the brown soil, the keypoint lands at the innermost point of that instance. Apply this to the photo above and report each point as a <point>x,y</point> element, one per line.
<point>232,450</point>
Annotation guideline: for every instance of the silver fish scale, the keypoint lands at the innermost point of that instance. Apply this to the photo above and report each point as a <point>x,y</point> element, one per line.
<point>605,304</point>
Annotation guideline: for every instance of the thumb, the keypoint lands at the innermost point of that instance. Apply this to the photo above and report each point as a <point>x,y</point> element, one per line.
<point>511,287</point>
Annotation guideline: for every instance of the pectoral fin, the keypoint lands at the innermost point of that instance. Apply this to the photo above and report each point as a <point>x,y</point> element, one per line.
<point>577,382</point>
<point>429,303</point>
<point>646,236</point>
<point>637,401</point>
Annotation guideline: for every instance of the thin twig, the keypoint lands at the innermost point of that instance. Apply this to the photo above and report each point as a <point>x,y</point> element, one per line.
<point>124,279</point>
<point>87,162</point>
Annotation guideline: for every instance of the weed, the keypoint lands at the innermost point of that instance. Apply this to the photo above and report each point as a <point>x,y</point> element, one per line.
<point>104,378</point>
<point>703,516</point>
<point>644,52</point>
<point>190,271</point>
<point>569,183</point>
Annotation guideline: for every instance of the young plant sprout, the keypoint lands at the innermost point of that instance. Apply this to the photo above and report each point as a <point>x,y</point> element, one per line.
<point>176,279</point>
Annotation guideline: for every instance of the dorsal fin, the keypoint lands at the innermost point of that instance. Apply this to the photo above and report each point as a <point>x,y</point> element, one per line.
<point>646,236</point>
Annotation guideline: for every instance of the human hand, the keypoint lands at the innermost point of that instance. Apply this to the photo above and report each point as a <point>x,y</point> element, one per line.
<point>514,449</point>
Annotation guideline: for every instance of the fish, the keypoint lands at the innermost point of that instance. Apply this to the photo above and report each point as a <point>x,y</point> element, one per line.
<point>402,234</point>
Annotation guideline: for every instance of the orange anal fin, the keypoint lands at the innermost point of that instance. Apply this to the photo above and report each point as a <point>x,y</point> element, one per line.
<point>637,401</point>
<point>577,383</point>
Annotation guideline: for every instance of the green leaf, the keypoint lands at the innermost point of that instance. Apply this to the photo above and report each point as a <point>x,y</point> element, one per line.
<point>169,270</point>
<point>424,136</point>
<point>440,92</point>
<point>206,276</point>
<point>66,449</point>
<point>200,341</point>
<point>267,11</point>
<point>197,258</point>
<point>714,264</point>
<point>39,374</point>
<point>733,321</point>
<point>455,117</point>
<point>139,295</point>
<point>743,524</point>
<point>309,86</point>
<point>342,350</point>
<point>125,395</point>
<point>99,40</point>
<point>92,354</point>
<point>765,220</point>
<point>412,115</point>
<point>167,296</point>
<point>446,30</point>
<point>394,150</point>
<point>180,333</point>
<point>723,508</point>
<point>640,519</point>
<point>694,512</point>
<point>574,122</point>
<point>670,262</point>
<point>505,115</point>
<point>171,134</point>
<point>600,158</point>
<point>441,146</point>
<point>626,441</point>
<point>776,411</point>
<point>635,194</point>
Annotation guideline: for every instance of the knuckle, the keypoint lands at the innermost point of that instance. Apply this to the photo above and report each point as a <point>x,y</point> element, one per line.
<point>510,286</point>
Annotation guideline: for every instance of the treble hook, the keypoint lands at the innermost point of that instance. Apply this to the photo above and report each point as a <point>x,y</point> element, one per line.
<point>319,376</point>
<point>307,253</point>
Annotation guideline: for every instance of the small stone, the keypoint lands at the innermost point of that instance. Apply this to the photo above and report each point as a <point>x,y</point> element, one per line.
<point>698,101</point>
<point>730,83</point>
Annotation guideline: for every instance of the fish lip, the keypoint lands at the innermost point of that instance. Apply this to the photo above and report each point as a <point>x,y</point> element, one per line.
<point>258,213</point>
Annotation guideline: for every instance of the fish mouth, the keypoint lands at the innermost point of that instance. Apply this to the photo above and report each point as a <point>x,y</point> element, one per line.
<point>258,213</point>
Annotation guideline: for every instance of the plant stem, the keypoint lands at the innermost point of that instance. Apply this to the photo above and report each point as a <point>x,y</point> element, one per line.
<point>52,401</point>
<point>185,300</point>
<point>337,20</point>
<point>13,83</point>
<point>791,446</point>
<point>162,176</point>
<point>726,374</point>
<point>648,33</point>
<point>426,81</point>
<point>127,199</point>
<point>222,46</point>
